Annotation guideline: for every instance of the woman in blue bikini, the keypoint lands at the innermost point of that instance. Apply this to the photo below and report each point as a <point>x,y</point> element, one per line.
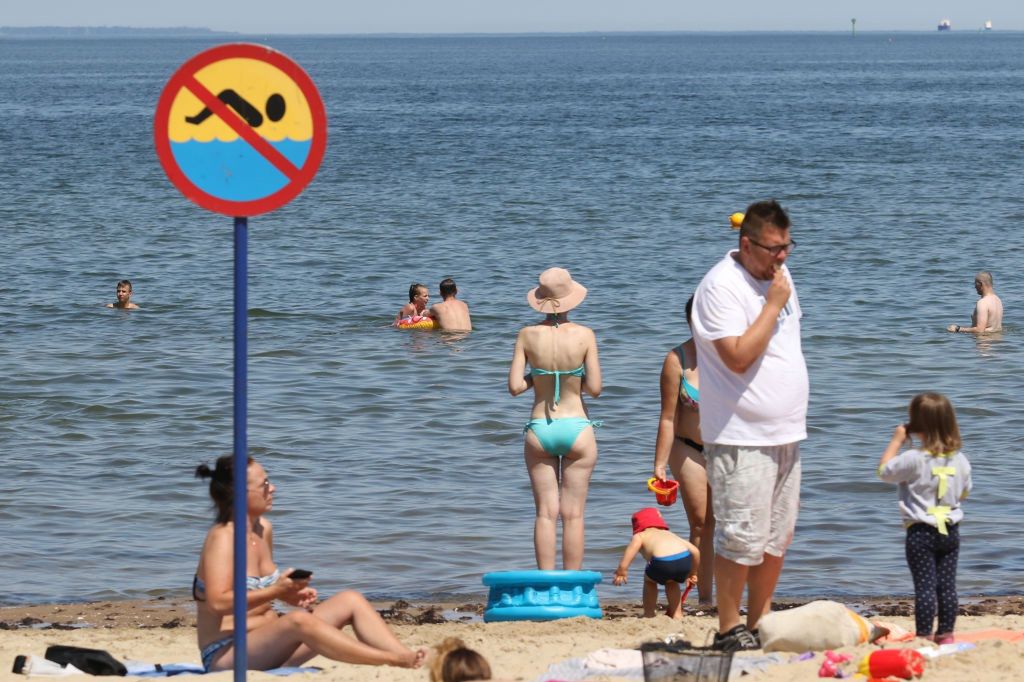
<point>275,640</point>
<point>680,447</point>
<point>559,448</point>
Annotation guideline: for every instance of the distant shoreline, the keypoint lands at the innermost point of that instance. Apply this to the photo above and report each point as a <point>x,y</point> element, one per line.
<point>105,32</point>
<point>186,31</point>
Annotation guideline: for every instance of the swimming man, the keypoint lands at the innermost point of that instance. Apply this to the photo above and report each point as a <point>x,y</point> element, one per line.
<point>451,313</point>
<point>124,296</point>
<point>988,312</point>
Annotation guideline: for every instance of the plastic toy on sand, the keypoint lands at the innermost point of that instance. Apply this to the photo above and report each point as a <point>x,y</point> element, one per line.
<point>541,595</point>
<point>664,491</point>
<point>832,666</point>
<point>417,322</point>
<point>902,663</point>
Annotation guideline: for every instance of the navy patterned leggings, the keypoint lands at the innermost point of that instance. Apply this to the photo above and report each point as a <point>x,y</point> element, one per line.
<point>932,559</point>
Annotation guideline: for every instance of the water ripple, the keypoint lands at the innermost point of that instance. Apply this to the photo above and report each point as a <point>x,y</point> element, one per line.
<point>398,455</point>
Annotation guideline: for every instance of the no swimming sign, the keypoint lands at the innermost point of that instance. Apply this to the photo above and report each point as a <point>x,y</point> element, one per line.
<point>240,129</point>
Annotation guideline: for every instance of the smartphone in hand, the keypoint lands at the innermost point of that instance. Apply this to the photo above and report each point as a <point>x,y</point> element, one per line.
<point>300,574</point>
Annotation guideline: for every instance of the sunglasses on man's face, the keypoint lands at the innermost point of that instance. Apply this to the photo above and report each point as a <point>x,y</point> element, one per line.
<point>776,250</point>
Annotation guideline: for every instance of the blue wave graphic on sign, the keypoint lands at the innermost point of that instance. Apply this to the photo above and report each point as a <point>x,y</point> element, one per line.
<point>234,171</point>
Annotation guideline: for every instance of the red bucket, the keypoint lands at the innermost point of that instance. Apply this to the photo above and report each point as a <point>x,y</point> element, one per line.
<point>664,491</point>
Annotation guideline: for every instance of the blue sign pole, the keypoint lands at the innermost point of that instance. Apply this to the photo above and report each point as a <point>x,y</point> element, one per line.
<point>241,456</point>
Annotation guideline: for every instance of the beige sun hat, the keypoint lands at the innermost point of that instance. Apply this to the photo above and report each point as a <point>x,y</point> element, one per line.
<point>558,292</point>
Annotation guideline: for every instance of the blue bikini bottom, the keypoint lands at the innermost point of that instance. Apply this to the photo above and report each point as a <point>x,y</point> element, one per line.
<point>557,436</point>
<point>211,649</point>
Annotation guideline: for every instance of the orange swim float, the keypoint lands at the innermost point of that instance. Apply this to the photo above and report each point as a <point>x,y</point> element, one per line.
<point>417,322</point>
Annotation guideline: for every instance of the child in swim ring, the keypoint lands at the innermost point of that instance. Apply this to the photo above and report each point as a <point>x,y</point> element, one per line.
<point>933,479</point>
<point>418,299</point>
<point>671,561</point>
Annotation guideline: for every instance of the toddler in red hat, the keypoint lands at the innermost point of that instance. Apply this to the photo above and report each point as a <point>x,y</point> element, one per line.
<point>671,561</point>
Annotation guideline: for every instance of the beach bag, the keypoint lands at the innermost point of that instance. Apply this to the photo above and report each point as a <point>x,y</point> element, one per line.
<point>816,626</point>
<point>92,661</point>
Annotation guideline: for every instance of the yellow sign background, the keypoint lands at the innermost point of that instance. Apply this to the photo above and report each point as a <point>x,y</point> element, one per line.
<point>255,81</point>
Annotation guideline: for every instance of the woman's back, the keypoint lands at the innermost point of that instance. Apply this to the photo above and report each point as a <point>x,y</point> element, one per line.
<point>562,359</point>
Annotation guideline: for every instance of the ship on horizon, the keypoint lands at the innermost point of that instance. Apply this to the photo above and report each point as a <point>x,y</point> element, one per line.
<point>945,25</point>
<point>988,25</point>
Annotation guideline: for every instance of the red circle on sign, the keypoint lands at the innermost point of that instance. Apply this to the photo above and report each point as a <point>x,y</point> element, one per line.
<point>184,78</point>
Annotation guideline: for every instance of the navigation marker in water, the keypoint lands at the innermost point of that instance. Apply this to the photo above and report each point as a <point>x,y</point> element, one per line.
<point>240,129</point>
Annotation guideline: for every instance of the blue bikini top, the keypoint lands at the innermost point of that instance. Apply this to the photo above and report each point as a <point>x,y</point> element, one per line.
<point>558,374</point>
<point>252,582</point>
<point>689,394</point>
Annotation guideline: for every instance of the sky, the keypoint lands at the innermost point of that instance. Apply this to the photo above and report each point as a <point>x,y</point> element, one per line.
<point>517,16</point>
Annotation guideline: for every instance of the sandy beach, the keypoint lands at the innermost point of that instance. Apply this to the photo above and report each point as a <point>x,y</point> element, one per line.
<point>162,631</point>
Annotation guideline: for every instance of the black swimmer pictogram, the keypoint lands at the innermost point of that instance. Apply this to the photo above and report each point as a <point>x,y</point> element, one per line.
<point>275,109</point>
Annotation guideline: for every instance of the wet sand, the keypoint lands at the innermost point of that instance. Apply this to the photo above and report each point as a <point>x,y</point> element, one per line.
<point>162,631</point>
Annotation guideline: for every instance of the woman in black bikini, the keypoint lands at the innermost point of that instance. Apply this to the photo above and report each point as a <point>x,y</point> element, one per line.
<point>679,446</point>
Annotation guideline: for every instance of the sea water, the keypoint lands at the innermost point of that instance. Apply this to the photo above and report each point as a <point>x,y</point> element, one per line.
<point>397,456</point>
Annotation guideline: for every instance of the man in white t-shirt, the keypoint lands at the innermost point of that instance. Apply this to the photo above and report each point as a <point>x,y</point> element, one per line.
<point>753,409</point>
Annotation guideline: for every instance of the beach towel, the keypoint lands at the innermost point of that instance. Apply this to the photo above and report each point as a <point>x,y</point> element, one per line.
<point>931,652</point>
<point>991,633</point>
<point>625,663</point>
<point>629,664</point>
<point>141,669</point>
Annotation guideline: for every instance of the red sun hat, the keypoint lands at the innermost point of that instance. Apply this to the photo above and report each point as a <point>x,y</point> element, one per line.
<point>648,517</point>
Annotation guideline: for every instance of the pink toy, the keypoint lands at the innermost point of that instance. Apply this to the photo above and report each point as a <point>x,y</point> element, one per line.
<point>831,666</point>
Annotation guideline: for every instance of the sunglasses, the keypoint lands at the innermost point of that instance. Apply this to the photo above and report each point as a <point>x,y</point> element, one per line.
<point>776,250</point>
<point>262,487</point>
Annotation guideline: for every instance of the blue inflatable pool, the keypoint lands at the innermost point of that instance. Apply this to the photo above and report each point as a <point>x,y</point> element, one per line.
<point>541,595</point>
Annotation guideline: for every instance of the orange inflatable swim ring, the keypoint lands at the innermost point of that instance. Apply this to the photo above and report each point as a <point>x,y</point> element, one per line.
<point>417,322</point>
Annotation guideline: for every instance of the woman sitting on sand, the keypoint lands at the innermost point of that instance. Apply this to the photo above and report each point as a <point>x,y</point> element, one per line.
<point>560,448</point>
<point>275,640</point>
<point>679,445</point>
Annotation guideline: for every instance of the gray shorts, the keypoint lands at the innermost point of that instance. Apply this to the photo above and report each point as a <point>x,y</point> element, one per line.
<point>755,495</point>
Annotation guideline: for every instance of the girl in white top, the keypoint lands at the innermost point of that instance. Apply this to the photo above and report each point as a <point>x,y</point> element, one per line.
<point>933,479</point>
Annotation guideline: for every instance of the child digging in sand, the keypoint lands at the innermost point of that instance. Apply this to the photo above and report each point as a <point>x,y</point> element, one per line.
<point>933,478</point>
<point>671,561</point>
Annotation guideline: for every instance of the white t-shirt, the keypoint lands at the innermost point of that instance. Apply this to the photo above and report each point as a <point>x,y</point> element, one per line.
<point>767,404</point>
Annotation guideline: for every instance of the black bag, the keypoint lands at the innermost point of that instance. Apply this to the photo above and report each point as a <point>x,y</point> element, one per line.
<point>92,661</point>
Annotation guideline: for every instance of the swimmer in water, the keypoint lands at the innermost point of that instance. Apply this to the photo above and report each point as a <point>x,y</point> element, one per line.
<point>124,296</point>
<point>417,305</point>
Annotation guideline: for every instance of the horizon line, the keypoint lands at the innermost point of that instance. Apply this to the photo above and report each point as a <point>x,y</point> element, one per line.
<point>201,29</point>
